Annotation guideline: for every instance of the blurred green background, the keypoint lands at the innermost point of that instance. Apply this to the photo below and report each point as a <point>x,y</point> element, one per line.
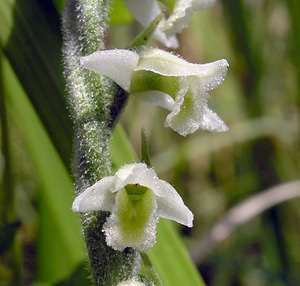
<point>243,233</point>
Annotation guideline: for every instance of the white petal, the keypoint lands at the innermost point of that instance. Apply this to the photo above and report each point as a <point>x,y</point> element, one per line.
<point>215,74</point>
<point>170,205</point>
<point>116,64</point>
<point>144,11</point>
<point>136,173</point>
<point>212,122</point>
<point>156,97</point>
<point>128,172</point>
<point>167,64</point>
<point>164,63</point>
<point>179,18</point>
<point>168,41</point>
<point>98,197</point>
<point>125,171</point>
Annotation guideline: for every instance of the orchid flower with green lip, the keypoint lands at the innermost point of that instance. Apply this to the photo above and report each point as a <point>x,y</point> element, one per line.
<point>136,199</point>
<point>145,11</point>
<point>166,80</point>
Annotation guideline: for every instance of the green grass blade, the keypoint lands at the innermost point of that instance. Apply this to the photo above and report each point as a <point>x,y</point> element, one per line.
<point>60,248</point>
<point>30,38</point>
<point>171,259</point>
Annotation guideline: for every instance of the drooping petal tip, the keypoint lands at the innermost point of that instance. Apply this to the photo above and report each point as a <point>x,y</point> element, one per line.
<point>171,206</point>
<point>212,122</point>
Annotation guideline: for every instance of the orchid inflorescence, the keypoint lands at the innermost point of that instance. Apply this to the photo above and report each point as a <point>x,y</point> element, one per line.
<point>135,197</point>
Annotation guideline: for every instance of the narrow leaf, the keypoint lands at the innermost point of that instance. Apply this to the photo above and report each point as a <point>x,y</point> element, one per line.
<point>30,38</point>
<point>145,155</point>
<point>143,38</point>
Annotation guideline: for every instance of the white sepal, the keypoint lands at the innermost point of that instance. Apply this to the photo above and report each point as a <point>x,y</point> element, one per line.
<point>167,64</point>
<point>157,98</point>
<point>144,11</point>
<point>179,18</point>
<point>171,206</point>
<point>97,197</point>
<point>116,64</point>
<point>137,173</point>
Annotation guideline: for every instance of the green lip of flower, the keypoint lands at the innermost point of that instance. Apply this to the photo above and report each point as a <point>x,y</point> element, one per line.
<point>145,11</point>
<point>166,80</point>
<point>136,198</point>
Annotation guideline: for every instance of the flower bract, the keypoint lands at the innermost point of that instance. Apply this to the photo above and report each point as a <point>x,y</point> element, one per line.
<point>166,80</point>
<point>136,199</point>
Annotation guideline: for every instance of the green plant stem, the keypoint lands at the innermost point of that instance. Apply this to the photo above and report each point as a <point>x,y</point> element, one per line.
<point>90,100</point>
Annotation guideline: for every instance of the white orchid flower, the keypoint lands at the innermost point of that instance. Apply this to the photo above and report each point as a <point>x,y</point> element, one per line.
<point>166,80</point>
<point>136,198</point>
<point>145,11</point>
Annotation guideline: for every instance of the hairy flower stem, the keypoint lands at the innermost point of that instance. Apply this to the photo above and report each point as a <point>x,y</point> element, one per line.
<point>90,100</point>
